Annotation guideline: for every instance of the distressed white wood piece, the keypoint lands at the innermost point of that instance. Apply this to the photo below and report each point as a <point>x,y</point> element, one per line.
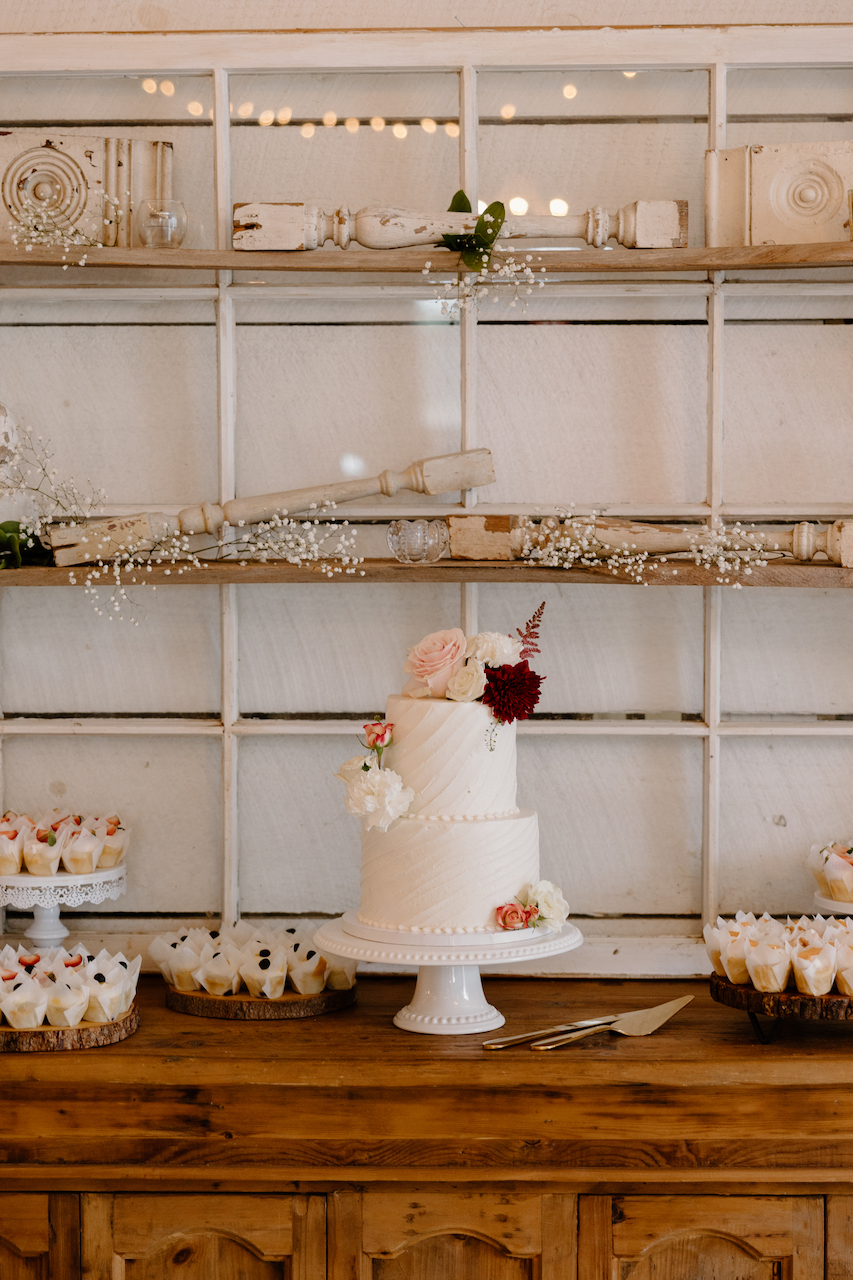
<point>476,537</point>
<point>88,182</point>
<point>644,224</point>
<point>782,193</point>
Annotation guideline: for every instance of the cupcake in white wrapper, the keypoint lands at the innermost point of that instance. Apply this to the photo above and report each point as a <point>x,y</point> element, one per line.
<point>844,968</point>
<point>41,858</point>
<point>308,974</point>
<point>814,969</point>
<point>838,870</point>
<point>12,836</point>
<point>768,964</point>
<point>81,852</point>
<point>105,989</point>
<point>161,952</point>
<point>185,964</point>
<point>733,959</point>
<point>340,973</point>
<point>265,973</point>
<point>67,1002</point>
<point>116,841</point>
<point>24,1004</point>
<point>716,937</point>
<point>218,975</point>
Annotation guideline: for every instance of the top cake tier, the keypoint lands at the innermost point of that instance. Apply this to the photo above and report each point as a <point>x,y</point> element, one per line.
<point>457,759</point>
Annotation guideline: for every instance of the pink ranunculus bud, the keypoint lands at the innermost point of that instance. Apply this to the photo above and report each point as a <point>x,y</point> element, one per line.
<point>378,734</point>
<point>531,914</point>
<point>512,916</point>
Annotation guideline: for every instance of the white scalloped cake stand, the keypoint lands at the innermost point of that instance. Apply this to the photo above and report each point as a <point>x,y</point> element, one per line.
<point>44,895</point>
<point>449,998</point>
<point>828,906</point>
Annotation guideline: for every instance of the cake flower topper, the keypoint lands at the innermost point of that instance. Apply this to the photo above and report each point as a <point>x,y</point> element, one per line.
<point>374,793</point>
<point>535,907</point>
<point>379,736</point>
<point>490,667</point>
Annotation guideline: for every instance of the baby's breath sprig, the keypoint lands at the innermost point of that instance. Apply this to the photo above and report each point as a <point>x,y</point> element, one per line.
<point>508,280</point>
<point>40,223</point>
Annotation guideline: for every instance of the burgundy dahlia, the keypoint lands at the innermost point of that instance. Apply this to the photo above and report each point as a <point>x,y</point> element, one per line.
<point>512,691</point>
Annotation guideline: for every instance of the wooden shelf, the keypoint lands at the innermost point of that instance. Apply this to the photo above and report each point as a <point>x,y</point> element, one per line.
<point>556,260</point>
<point>672,574</point>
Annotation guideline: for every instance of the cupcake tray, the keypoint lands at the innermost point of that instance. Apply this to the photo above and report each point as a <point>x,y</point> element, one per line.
<point>86,1035</point>
<point>246,1008</point>
<point>833,1007</point>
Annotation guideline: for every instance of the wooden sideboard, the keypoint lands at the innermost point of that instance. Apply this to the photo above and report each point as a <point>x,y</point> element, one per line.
<point>341,1147</point>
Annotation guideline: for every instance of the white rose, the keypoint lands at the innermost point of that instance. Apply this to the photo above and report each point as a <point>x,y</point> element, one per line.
<point>495,649</point>
<point>378,796</point>
<point>352,768</point>
<point>469,684</point>
<point>553,908</point>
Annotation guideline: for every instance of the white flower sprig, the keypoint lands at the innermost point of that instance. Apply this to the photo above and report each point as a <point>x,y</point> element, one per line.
<point>27,473</point>
<point>571,541</point>
<point>508,279</point>
<point>39,223</point>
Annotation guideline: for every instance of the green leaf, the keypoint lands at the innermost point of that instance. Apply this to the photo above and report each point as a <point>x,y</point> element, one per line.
<point>489,224</point>
<point>51,840</point>
<point>460,203</point>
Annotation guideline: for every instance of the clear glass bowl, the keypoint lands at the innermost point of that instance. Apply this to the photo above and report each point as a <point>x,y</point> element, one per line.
<point>417,541</point>
<point>162,224</point>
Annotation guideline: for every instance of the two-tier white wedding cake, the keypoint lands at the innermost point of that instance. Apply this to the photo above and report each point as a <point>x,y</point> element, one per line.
<point>445,847</point>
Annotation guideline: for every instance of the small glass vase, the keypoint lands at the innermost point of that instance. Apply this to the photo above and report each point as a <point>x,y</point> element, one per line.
<point>162,224</point>
<point>417,541</point>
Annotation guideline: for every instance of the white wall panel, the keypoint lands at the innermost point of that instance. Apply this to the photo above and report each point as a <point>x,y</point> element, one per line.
<point>787,394</point>
<point>540,94</point>
<point>166,789</point>
<point>787,651</point>
<point>300,850</point>
<point>620,821</point>
<point>335,648</point>
<point>74,661</point>
<point>311,398</point>
<point>764,132</point>
<point>788,91</point>
<point>130,408</point>
<point>779,796</point>
<point>593,413</point>
<point>608,648</point>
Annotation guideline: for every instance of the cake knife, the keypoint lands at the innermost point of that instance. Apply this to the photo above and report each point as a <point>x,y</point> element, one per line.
<point>640,1023</point>
<point>505,1041</point>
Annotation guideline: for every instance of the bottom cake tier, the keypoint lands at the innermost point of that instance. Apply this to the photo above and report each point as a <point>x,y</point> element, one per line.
<point>433,875</point>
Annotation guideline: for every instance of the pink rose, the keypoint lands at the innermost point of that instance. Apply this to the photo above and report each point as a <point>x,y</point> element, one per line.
<point>378,734</point>
<point>512,916</point>
<point>436,659</point>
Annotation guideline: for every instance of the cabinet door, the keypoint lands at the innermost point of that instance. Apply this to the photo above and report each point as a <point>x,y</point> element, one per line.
<point>203,1237</point>
<point>454,1233</point>
<point>39,1237</point>
<point>703,1237</point>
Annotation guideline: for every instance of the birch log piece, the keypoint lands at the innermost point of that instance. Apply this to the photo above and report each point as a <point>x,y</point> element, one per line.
<point>101,539</point>
<point>645,224</point>
<point>503,537</point>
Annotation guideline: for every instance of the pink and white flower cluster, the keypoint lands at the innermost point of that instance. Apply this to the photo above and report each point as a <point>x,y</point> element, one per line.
<point>446,664</point>
<point>536,906</point>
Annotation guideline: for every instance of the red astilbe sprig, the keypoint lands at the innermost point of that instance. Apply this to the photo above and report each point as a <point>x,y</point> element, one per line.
<point>530,634</point>
<point>512,691</point>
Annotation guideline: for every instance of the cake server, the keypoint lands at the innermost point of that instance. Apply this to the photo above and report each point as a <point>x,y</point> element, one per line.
<point>640,1023</point>
<point>506,1041</point>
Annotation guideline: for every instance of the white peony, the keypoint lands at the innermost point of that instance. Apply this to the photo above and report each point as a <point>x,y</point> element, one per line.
<point>352,768</point>
<point>469,684</point>
<point>495,649</point>
<point>378,796</point>
<point>553,908</point>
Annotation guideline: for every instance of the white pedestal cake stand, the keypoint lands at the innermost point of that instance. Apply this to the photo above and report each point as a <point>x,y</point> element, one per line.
<point>449,998</point>
<point>829,906</point>
<point>44,895</point>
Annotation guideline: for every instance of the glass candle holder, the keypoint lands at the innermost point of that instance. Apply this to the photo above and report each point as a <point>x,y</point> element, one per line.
<point>417,541</point>
<point>162,224</point>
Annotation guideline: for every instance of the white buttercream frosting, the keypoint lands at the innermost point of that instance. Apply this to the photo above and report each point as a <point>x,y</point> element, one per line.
<point>446,876</point>
<point>441,750</point>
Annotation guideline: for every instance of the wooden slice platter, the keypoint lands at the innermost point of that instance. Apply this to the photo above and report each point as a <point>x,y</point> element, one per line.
<point>86,1035</point>
<point>248,1008</point>
<point>781,1004</point>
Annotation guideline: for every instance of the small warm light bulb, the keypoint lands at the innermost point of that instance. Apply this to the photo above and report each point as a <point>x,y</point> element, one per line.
<point>452,129</point>
<point>570,91</point>
<point>266,118</point>
<point>150,86</point>
<point>195,108</point>
<point>481,206</point>
<point>399,130</point>
<point>558,208</point>
<point>284,115</point>
<point>518,205</point>
<point>330,119</point>
<point>351,125</point>
<point>167,88</point>
<point>507,111</point>
<point>428,125</point>
<point>307,129</point>
<point>245,109</point>
<point>629,75</point>
<point>377,124</point>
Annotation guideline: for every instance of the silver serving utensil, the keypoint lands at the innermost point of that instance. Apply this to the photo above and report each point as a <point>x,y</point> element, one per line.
<point>505,1041</point>
<point>641,1023</point>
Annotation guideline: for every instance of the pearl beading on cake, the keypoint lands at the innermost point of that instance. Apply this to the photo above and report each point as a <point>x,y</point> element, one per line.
<point>414,928</point>
<point>460,817</point>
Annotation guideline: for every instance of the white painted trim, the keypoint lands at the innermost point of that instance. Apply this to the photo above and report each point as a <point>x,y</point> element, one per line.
<point>711,753</point>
